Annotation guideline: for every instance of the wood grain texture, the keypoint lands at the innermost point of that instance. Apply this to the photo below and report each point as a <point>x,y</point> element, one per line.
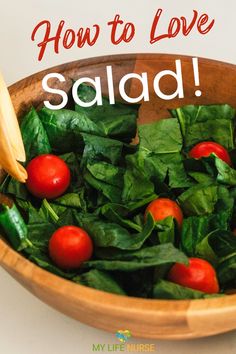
<point>144,318</point>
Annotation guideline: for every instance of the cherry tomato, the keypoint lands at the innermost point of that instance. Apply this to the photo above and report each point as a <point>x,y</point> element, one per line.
<point>234,231</point>
<point>48,176</point>
<point>161,208</point>
<point>206,148</point>
<point>70,246</point>
<point>198,275</point>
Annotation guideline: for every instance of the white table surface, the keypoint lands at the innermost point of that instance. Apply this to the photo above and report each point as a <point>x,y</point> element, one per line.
<point>27,325</point>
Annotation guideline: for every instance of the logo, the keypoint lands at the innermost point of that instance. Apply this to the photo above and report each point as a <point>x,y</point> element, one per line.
<point>123,336</point>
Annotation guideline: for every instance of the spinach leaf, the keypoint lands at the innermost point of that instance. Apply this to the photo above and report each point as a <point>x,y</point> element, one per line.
<point>67,217</point>
<point>144,258</point>
<point>108,234</point>
<point>72,161</point>
<point>226,174</point>
<point>15,188</point>
<point>166,149</point>
<point>205,251</point>
<point>210,169</point>
<point>99,148</point>
<point>176,173</point>
<point>216,246</point>
<point>165,171</point>
<point>154,138</point>
<point>137,181</point>
<point>166,230</point>
<point>222,242</point>
<point>44,262</point>
<point>203,123</point>
<point>196,228</point>
<point>71,200</point>
<point>199,200</point>
<point>117,120</point>
<point>117,212</point>
<point>34,135</point>
<point>64,128</point>
<point>134,206</point>
<point>99,280</point>
<point>138,283</point>
<point>113,212</point>
<point>107,173</point>
<point>111,192</point>
<point>201,177</point>
<point>146,173</point>
<point>151,165</point>
<point>40,229</point>
<point>226,270</point>
<point>225,203</point>
<point>164,289</point>
<point>218,130</point>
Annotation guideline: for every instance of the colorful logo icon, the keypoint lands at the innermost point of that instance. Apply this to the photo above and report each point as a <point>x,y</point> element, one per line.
<point>123,336</point>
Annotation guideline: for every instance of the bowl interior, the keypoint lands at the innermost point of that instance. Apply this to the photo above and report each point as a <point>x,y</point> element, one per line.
<point>145,318</point>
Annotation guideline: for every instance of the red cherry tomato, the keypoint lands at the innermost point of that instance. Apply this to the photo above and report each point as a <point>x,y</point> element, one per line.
<point>70,246</point>
<point>48,176</point>
<point>234,231</point>
<point>198,275</point>
<point>161,208</point>
<point>206,148</point>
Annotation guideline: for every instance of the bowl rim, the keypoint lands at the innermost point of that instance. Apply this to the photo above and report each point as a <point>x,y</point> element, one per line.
<point>37,76</point>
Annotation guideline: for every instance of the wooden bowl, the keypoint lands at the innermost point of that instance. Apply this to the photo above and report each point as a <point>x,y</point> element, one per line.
<point>144,318</point>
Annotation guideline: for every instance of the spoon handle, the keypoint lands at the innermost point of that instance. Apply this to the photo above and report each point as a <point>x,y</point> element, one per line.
<point>11,144</point>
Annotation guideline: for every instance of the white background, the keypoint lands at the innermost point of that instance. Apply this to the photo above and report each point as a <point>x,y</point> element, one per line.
<point>28,326</point>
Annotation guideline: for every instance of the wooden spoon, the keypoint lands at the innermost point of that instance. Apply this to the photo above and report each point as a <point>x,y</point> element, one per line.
<point>11,144</point>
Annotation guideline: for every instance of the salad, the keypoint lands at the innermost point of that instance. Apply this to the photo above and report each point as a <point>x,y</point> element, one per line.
<point>154,219</point>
